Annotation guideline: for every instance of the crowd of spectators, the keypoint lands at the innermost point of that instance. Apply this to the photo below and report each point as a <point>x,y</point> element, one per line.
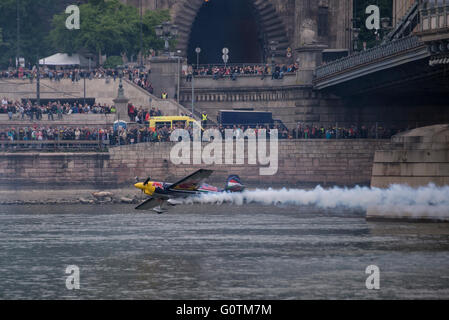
<point>349,132</point>
<point>135,75</point>
<point>107,136</point>
<point>74,74</point>
<point>28,111</point>
<point>142,115</point>
<point>142,134</point>
<point>49,133</point>
<point>276,72</point>
<point>317,132</point>
<point>140,78</point>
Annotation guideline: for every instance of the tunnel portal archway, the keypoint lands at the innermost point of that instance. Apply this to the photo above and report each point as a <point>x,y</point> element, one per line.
<point>233,24</point>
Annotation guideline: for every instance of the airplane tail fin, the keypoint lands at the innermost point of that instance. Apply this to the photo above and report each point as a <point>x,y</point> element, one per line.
<point>234,184</point>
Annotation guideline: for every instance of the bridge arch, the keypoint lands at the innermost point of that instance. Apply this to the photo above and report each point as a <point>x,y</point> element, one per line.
<point>270,27</point>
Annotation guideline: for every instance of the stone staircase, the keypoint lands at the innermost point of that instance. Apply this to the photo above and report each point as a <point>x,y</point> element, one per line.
<point>168,106</point>
<point>272,25</point>
<point>184,20</point>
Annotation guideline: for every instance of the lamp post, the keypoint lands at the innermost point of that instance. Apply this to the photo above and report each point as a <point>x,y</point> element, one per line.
<point>166,31</point>
<point>18,35</point>
<point>120,86</point>
<point>198,51</point>
<point>121,102</point>
<point>355,38</point>
<point>84,81</point>
<point>385,23</point>
<point>273,48</point>
<point>38,83</point>
<point>355,31</point>
<point>141,37</point>
<point>179,77</point>
<point>193,94</point>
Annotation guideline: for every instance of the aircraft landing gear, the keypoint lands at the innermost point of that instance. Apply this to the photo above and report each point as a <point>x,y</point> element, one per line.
<point>160,209</point>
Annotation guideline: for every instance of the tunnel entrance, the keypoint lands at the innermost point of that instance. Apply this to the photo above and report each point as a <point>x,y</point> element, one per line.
<point>226,23</point>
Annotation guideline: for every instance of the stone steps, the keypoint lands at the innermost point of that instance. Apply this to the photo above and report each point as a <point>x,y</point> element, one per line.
<point>261,4</point>
<point>183,26</point>
<point>269,9</point>
<point>273,28</point>
<point>189,7</point>
<point>269,20</point>
<point>276,34</point>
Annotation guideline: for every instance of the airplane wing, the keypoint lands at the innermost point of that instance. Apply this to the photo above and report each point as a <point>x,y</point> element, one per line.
<point>148,204</point>
<point>192,182</point>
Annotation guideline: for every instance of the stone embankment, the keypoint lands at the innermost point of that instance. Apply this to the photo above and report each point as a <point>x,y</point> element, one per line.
<point>415,158</point>
<point>72,198</point>
<point>300,162</point>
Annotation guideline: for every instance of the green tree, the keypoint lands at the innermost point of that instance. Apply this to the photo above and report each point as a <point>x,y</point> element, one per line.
<point>113,62</point>
<point>368,36</point>
<point>108,27</point>
<point>33,25</point>
<point>150,20</point>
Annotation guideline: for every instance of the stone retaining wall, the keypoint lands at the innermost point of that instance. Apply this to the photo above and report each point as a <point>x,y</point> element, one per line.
<point>301,162</point>
<point>416,158</point>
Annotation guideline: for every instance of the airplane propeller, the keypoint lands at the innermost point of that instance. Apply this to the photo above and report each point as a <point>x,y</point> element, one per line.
<point>145,184</point>
<point>146,181</point>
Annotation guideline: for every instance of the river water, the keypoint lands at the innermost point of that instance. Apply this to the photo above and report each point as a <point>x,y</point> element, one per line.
<point>217,252</point>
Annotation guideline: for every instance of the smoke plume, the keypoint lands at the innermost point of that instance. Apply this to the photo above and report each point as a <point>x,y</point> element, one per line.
<point>430,199</point>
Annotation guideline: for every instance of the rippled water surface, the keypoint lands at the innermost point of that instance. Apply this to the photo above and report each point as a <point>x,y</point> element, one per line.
<point>209,252</point>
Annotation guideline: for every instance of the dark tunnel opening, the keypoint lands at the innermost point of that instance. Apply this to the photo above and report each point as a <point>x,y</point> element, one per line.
<point>226,23</point>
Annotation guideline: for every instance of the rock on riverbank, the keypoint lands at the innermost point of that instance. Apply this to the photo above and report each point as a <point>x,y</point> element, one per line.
<point>69,197</point>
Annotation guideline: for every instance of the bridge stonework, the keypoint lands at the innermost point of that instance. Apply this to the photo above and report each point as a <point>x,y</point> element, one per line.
<point>387,99</point>
<point>292,23</point>
<point>292,104</point>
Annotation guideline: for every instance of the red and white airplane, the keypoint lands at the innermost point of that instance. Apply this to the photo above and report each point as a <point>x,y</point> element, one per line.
<point>162,193</point>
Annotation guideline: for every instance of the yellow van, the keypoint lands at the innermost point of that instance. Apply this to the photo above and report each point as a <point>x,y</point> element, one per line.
<point>172,122</point>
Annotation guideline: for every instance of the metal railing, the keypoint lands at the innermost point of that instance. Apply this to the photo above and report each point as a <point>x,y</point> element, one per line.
<point>261,66</point>
<point>230,65</point>
<point>54,145</point>
<point>365,57</point>
<point>406,23</point>
<point>434,17</point>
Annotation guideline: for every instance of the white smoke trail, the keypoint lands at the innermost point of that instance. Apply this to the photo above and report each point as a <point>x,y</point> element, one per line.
<point>429,199</point>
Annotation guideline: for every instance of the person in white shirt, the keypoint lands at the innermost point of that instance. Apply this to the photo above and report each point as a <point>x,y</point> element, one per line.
<point>77,134</point>
<point>22,111</point>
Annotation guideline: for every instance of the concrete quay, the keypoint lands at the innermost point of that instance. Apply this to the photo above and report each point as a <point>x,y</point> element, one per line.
<point>415,158</point>
<point>300,162</point>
